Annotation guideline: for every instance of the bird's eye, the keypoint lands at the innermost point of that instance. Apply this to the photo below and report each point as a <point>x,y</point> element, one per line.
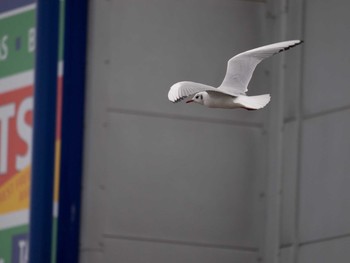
<point>197,97</point>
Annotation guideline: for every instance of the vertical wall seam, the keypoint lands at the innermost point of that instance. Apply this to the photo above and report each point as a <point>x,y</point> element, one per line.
<point>96,122</point>
<point>271,244</point>
<point>299,122</point>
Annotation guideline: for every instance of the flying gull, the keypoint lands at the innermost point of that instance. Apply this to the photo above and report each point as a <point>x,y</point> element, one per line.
<point>231,93</point>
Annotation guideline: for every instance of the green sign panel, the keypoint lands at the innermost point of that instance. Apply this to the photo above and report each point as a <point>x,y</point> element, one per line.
<point>17,43</point>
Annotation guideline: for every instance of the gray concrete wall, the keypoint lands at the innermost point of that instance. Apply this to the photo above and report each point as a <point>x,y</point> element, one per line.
<point>170,182</point>
<point>316,218</point>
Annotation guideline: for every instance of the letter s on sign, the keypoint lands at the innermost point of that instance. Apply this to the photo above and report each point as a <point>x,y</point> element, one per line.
<point>4,51</point>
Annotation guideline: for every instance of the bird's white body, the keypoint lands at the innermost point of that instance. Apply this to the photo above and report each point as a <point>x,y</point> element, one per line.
<point>231,93</point>
<point>214,99</point>
<point>219,100</point>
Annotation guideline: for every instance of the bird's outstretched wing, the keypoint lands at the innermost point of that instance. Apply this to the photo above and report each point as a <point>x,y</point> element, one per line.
<point>240,68</point>
<point>183,89</point>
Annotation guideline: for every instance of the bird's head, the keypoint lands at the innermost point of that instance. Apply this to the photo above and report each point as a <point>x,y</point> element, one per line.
<point>198,98</point>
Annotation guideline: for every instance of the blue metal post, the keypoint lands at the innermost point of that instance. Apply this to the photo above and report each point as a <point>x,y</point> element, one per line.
<point>42,176</point>
<point>72,131</point>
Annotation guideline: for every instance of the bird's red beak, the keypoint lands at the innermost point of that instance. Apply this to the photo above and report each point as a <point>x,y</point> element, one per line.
<point>189,101</point>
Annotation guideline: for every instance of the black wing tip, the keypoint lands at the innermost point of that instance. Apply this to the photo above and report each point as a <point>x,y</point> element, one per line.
<point>289,47</point>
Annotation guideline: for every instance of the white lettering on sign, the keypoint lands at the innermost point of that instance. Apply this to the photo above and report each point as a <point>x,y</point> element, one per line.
<point>21,128</point>
<point>6,112</point>
<point>4,51</point>
<point>31,39</point>
<point>23,251</point>
<point>25,133</point>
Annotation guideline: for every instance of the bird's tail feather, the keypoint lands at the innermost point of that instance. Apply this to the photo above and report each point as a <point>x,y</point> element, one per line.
<point>253,102</point>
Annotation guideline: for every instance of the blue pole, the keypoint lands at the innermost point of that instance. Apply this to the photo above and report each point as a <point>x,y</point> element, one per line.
<point>42,176</point>
<point>72,131</point>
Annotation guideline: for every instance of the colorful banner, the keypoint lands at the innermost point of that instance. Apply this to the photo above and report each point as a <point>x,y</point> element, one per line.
<point>17,51</point>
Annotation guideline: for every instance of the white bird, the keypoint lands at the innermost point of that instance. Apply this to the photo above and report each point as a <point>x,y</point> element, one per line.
<point>232,91</point>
